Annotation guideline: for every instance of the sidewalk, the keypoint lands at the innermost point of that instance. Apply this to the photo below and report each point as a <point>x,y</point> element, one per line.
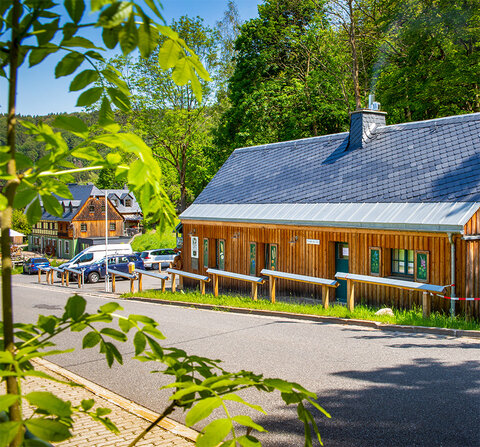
<point>129,417</point>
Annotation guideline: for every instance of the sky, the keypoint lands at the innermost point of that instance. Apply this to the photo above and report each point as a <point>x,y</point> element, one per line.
<point>39,93</point>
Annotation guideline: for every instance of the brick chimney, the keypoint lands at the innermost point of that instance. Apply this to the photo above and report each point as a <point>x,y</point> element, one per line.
<point>363,124</point>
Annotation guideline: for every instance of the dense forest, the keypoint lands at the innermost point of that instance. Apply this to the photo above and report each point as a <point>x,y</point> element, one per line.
<point>295,71</point>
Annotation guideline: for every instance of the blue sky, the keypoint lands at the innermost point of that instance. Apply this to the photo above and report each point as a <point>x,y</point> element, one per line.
<point>39,93</point>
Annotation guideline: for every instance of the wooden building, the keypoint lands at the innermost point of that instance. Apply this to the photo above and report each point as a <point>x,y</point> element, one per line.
<point>82,224</point>
<point>396,201</point>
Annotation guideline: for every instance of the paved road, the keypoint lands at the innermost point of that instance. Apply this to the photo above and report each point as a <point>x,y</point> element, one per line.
<point>382,388</point>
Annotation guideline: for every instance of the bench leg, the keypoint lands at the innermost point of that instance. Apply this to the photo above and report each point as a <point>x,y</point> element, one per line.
<point>173,282</point>
<point>63,278</point>
<point>132,289</point>
<point>202,287</point>
<point>113,283</point>
<point>163,285</point>
<point>67,277</point>
<point>39,276</point>
<point>51,277</point>
<point>426,304</point>
<point>325,296</point>
<point>254,291</point>
<point>350,295</point>
<point>272,288</point>
<point>140,285</point>
<point>79,281</point>
<point>215,285</point>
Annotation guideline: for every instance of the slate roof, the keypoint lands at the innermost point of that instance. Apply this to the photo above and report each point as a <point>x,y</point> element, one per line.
<point>435,161</point>
<point>121,195</point>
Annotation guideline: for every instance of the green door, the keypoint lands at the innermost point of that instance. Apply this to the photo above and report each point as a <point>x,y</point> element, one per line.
<point>341,265</point>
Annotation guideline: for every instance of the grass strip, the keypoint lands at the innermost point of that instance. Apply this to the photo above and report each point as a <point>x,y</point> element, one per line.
<point>411,317</point>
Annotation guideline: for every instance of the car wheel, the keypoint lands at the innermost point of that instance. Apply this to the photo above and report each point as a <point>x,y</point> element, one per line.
<point>155,266</point>
<point>93,277</point>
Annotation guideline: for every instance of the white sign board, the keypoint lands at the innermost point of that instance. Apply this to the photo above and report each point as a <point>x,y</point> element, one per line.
<point>195,247</point>
<point>313,242</point>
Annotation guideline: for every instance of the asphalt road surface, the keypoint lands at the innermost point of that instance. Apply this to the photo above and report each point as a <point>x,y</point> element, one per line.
<point>381,388</point>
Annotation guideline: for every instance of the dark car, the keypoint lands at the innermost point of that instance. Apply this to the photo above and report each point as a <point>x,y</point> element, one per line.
<point>31,265</point>
<point>96,271</point>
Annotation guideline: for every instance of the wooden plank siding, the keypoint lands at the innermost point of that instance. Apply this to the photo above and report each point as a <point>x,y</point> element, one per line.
<point>471,252</point>
<point>295,256</point>
<point>93,215</point>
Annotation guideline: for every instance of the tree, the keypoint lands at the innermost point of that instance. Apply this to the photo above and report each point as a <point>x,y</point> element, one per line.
<point>432,59</point>
<point>20,222</point>
<point>28,31</point>
<point>288,81</point>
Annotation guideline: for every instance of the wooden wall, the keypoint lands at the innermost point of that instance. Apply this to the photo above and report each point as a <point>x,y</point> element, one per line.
<point>95,219</point>
<point>472,256</point>
<point>319,260</point>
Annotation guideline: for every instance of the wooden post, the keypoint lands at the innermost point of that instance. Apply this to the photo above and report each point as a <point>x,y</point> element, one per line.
<point>39,275</point>
<point>273,281</point>
<point>426,304</point>
<point>202,287</point>
<point>140,276</point>
<point>79,281</point>
<point>63,278</point>
<point>215,285</point>
<point>173,282</point>
<point>51,276</point>
<point>163,285</point>
<point>254,291</point>
<point>113,282</point>
<point>325,296</point>
<point>350,295</point>
<point>132,281</point>
<point>67,277</point>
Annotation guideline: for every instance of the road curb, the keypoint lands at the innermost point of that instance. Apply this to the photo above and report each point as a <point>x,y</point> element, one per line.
<point>125,404</point>
<point>457,333</point>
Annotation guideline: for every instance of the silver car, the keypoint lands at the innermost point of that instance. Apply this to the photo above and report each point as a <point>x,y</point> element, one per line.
<point>161,256</point>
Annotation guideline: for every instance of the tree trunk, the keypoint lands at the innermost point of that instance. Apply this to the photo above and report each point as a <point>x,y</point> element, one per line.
<point>15,412</point>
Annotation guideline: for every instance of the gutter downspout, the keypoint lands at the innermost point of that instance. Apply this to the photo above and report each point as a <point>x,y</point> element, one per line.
<point>452,272</point>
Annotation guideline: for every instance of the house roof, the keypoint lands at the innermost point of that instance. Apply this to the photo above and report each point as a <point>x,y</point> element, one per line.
<point>434,163</point>
<point>121,195</point>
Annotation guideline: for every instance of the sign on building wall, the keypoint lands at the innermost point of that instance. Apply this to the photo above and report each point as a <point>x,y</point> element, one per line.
<point>313,241</point>
<point>253,258</point>
<point>221,255</point>
<point>375,261</point>
<point>205,252</point>
<point>421,266</point>
<point>194,252</point>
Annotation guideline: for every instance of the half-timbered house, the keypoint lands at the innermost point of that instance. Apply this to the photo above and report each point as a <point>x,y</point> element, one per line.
<point>396,201</point>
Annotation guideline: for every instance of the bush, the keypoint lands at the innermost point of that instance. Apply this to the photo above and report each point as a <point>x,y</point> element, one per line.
<point>153,240</point>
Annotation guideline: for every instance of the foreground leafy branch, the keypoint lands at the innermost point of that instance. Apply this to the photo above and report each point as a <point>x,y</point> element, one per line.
<point>199,385</point>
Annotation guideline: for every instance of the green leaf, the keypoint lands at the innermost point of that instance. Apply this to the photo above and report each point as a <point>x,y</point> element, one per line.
<point>125,325</point>
<point>151,4</point>
<point>115,14</point>
<point>91,339</point>
<point>7,400</point>
<point>37,55</point>
<point>110,307</point>
<point>8,430</point>
<point>75,307</point>
<point>35,442</point>
<point>84,78</point>
<point>140,342</point>
<point>113,76</point>
<point>87,153</point>
<point>50,403</point>
<point>248,422</point>
<point>89,97</point>
<point>202,410</point>
<point>79,42</point>
<point>34,211</point>
<point>154,331</point>
<point>3,202</point>
<point>128,36</point>
<point>182,72</point>
<point>52,205</point>
<point>119,99</point>
<point>101,411</point>
<point>75,9</point>
<point>71,123</point>
<point>106,117</point>
<point>48,429</point>
<point>47,323</point>
<point>87,404</point>
<point>22,161</point>
<point>235,398</point>
<point>110,37</point>
<point>23,198</point>
<point>68,64</point>
<point>248,441</point>
<point>113,333</point>
<point>169,54</point>
<point>214,433</point>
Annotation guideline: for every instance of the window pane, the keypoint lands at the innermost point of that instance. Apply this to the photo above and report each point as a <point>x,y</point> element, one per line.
<point>410,268</point>
<point>401,267</point>
<point>410,255</point>
<point>395,267</point>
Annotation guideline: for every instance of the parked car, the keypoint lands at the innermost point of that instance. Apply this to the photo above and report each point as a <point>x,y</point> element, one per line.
<point>96,271</point>
<point>163,256</point>
<point>31,265</point>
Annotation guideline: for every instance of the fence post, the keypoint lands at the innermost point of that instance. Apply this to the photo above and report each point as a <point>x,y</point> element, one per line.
<point>67,277</point>
<point>325,296</point>
<point>79,281</point>
<point>113,282</point>
<point>273,282</point>
<point>426,304</point>
<point>350,295</point>
<point>39,276</point>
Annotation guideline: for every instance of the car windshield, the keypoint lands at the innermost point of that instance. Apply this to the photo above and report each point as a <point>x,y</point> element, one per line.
<point>39,260</point>
<point>144,254</point>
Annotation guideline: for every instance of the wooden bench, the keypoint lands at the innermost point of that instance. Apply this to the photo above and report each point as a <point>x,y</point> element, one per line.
<point>203,279</point>
<point>77,272</point>
<point>426,289</point>
<point>160,276</point>
<point>129,276</point>
<point>43,269</point>
<point>52,272</point>
<point>253,279</point>
<point>325,283</point>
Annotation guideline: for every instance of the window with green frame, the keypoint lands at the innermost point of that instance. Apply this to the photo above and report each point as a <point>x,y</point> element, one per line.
<point>403,262</point>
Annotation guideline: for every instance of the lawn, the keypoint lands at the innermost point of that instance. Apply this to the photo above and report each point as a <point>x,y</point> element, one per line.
<point>402,317</point>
